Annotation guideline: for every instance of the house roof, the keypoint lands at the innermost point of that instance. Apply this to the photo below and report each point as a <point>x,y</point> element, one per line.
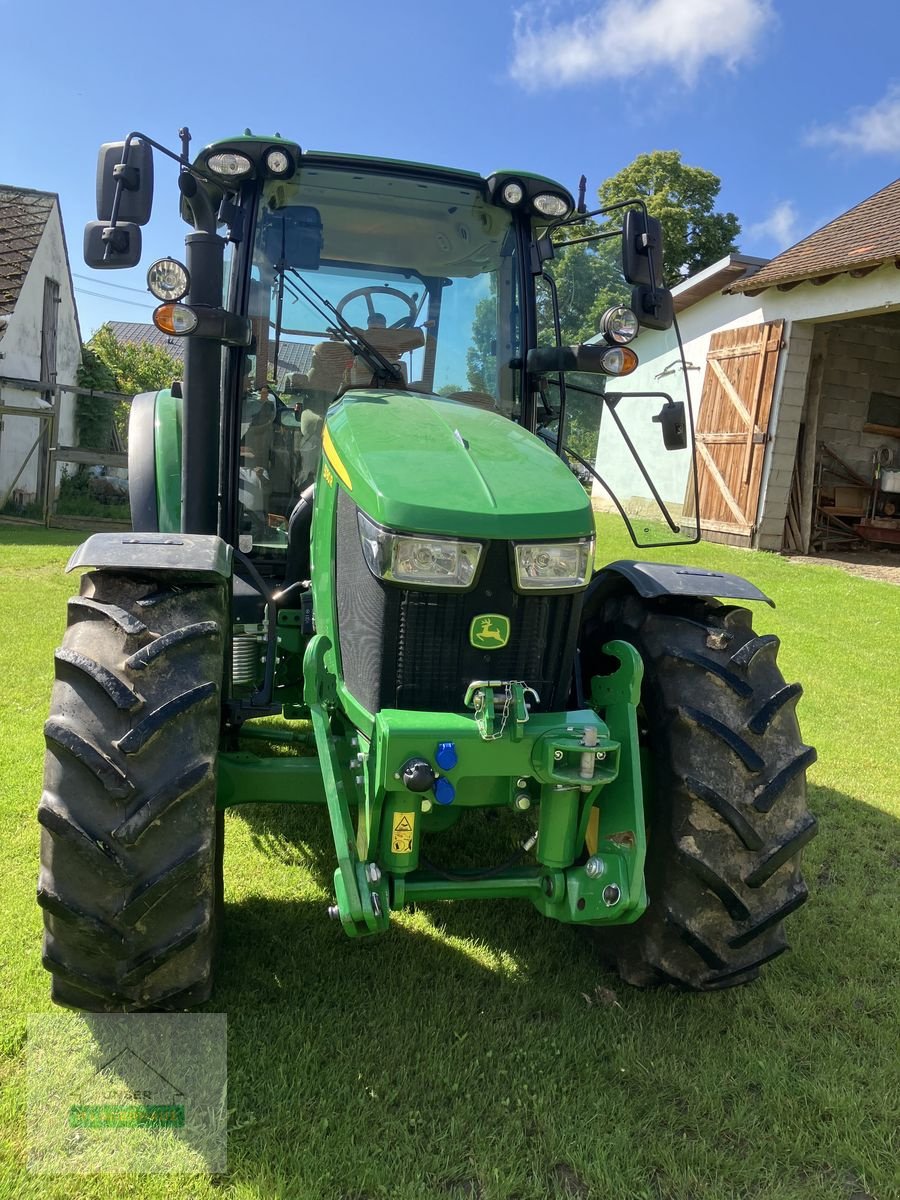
<point>141,334</point>
<point>23,216</point>
<point>714,278</point>
<point>292,356</point>
<point>857,241</point>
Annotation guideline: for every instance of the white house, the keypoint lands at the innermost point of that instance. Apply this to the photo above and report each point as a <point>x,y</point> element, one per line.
<point>39,337</point>
<point>794,371</point>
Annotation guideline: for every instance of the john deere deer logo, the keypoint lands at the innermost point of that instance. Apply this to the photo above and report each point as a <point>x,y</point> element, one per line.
<point>490,631</point>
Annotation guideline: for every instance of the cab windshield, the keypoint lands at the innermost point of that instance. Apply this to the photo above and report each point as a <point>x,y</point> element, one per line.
<point>360,280</point>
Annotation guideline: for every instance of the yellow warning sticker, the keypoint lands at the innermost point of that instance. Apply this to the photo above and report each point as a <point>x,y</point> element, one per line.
<point>402,832</point>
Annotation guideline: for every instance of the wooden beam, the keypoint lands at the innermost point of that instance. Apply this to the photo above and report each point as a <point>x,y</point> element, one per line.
<point>786,287</point>
<point>810,437</point>
<point>745,349</point>
<point>91,458</point>
<point>861,272</point>
<point>761,360</point>
<point>820,279</point>
<point>721,485</point>
<point>726,527</point>
<point>731,392</point>
<point>731,439</point>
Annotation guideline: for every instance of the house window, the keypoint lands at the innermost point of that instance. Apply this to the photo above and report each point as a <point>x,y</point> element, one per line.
<point>884,410</point>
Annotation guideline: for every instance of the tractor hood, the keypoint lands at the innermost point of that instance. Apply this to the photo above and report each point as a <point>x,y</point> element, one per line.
<point>427,464</point>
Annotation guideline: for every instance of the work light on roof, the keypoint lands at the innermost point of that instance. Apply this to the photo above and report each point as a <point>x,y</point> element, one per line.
<point>279,163</point>
<point>168,280</point>
<point>230,165</point>
<point>548,204</point>
<point>513,192</point>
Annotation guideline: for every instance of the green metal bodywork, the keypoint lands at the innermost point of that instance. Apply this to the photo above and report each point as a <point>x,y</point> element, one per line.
<point>167,457</point>
<point>427,464</point>
<point>430,465</point>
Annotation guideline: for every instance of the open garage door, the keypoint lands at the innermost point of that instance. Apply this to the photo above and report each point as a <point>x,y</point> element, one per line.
<point>733,425</point>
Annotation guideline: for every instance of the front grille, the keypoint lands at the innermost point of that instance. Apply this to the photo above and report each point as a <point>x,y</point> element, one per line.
<point>404,648</point>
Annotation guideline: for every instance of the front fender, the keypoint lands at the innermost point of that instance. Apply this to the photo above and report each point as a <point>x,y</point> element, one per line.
<point>651,580</point>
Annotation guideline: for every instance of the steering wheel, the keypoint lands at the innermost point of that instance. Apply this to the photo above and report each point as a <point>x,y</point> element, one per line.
<point>383,290</point>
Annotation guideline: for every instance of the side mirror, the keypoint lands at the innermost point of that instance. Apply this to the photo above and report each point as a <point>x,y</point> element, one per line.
<point>123,243</point>
<point>653,307</point>
<point>136,176</point>
<point>642,245</point>
<point>674,425</point>
<point>293,235</point>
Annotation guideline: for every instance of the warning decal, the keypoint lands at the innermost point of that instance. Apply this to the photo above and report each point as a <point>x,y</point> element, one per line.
<point>402,832</point>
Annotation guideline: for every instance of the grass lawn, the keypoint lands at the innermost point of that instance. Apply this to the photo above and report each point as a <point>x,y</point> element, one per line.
<point>457,1057</point>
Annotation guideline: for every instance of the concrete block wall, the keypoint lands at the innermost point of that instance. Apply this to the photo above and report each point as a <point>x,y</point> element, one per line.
<point>784,426</point>
<point>863,357</point>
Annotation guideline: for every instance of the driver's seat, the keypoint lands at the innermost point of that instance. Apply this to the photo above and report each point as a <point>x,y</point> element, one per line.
<point>330,362</point>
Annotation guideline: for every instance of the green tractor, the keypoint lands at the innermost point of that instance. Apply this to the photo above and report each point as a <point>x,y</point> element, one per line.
<point>364,511</point>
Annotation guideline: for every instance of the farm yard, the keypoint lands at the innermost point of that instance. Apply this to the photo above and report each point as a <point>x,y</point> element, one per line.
<point>482,1052</point>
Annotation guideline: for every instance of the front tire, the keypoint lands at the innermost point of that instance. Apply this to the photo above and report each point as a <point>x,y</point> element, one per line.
<point>130,879</point>
<point>726,802</point>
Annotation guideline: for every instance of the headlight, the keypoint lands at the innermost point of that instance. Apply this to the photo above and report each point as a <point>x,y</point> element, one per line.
<point>553,566</point>
<point>230,165</point>
<point>551,205</point>
<point>619,325</point>
<point>167,279</point>
<point>513,193</point>
<point>426,561</point>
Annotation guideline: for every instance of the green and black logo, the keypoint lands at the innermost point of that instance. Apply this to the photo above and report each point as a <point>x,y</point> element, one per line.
<point>489,631</point>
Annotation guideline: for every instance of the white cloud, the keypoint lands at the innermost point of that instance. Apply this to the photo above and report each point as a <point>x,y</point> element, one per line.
<point>874,130</point>
<point>619,39</point>
<point>779,229</point>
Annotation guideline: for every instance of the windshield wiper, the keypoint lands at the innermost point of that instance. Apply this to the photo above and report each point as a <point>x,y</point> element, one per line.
<point>384,372</point>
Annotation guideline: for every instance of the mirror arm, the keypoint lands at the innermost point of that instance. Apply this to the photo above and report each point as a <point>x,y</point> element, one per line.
<point>611,401</point>
<point>612,495</point>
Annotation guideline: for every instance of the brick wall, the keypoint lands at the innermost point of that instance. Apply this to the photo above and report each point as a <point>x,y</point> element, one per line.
<point>863,357</point>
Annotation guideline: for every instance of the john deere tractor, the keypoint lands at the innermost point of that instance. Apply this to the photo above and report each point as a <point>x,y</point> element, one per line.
<point>368,510</point>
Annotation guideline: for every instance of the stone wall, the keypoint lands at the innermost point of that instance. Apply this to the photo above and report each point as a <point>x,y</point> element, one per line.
<point>863,357</point>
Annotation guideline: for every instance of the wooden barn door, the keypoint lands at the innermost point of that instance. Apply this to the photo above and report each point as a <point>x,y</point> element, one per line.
<point>733,425</point>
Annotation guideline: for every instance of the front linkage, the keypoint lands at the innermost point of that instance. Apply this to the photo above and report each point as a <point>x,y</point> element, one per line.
<point>419,770</point>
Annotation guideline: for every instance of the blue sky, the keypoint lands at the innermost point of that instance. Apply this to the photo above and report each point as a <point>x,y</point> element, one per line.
<point>795,104</point>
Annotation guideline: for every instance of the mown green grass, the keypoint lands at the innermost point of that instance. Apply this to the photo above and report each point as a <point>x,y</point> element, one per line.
<point>457,1056</point>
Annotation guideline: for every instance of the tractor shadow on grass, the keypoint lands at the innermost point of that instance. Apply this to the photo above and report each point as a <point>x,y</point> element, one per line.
<point>478,1042</point>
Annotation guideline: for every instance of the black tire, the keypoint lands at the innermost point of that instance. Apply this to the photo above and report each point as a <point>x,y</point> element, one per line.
<point>130,879</point>
<point>726,807</point>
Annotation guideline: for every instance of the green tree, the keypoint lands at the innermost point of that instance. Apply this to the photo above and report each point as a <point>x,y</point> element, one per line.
<point>588,281</point>
<point>94,415</point>
<point>481,356</point>
<point>134,366</point>
<point>137,367</point>
<point>683,198</point>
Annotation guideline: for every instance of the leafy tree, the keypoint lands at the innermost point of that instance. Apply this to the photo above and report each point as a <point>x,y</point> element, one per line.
<point>135,367</point>
<point>94,415</point>
<point>481,356</point>
<point>588,281</point>
<point>683,199</point>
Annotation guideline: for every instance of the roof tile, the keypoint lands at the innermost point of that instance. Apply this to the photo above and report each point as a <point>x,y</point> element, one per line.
<point>865,236</point>
<point>23,215</point>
